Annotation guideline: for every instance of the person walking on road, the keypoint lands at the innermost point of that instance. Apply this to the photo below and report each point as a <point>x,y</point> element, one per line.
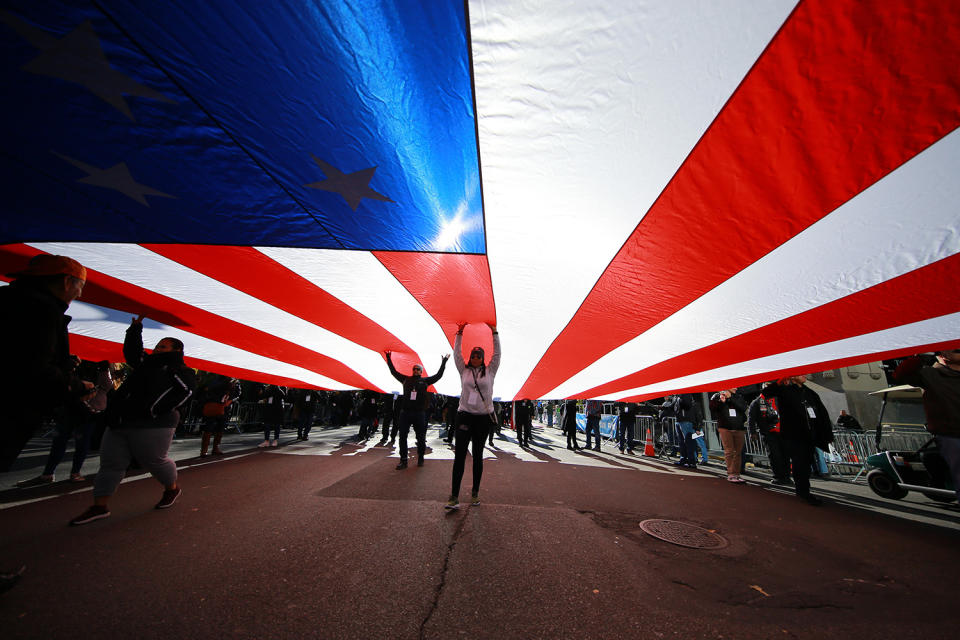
<point>473,421</point>
<point>413,409</point>
<point>142,418</point>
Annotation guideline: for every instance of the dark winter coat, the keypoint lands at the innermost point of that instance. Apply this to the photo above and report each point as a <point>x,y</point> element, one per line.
<point>415,394</point>
<point>721,411</point>
<point>37,371</point>
<point>802,414</point>
<point>154,391</point>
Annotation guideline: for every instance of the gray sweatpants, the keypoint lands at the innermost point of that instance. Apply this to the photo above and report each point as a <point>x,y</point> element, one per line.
<point>148,446</point>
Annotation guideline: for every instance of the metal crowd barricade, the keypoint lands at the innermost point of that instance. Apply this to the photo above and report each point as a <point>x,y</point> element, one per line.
<point>665,437</point>
<point>756,448</point>
<point>850,449</point>
<point>249,414</point>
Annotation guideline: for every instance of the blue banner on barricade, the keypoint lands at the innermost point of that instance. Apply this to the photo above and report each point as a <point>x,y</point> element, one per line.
<point>608,424</point>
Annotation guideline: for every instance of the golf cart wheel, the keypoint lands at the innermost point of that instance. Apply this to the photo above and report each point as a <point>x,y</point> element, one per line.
<point>940,498</point>
<point>883,486</point>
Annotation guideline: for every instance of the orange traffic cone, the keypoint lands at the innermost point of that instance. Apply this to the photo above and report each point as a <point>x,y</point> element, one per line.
<point>648,449</point>
<point>853,453</point>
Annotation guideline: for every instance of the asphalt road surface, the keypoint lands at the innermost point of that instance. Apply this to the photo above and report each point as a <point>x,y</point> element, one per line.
<point>325,539</point>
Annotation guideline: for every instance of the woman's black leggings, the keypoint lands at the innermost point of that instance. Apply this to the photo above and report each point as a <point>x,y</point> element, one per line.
<point>471,429</point>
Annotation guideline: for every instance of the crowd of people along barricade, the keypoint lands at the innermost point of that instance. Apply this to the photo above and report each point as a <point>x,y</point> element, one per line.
<point>132,411</point>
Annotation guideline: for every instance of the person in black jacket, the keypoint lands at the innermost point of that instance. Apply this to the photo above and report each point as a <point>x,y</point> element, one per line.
<point>804,424</point>
<point>626,427</point>
<point>272,399</point>
<point>729,409</point>
<point>568,424</point>
<point>37,371</point>
<point>141,418</point>
<point>688,421</point>
<point>523,413</point>
<point>306,403</point>
<point>388,410</point>
<point>763,418</point>
<point>413,410</point>
<point>367,412</point>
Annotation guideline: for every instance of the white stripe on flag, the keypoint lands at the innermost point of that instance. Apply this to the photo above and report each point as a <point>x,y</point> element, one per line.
<point>609,102</point>
<point>866,241</point>
<point>361,281</point>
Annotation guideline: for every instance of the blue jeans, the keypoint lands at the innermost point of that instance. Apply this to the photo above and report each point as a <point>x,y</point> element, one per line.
<point>950,450</point>
<point>702,444</point>
<point>593,428</point>
<point>687,452</point>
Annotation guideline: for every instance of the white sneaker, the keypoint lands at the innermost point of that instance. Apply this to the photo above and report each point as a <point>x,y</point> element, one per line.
<point>274,443</point>
<point>265,443</point>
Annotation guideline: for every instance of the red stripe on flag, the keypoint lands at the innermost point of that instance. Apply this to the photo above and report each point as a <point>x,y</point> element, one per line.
<point>96,349</point>
<point>453,288</point>
<point>912,297</point>
<point>824,365</point>
<point>112,293</point>
<point>260,276</point>
<point>844,94</point>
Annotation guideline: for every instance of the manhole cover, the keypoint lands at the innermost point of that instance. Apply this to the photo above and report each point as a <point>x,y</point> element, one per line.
<point>683,534</point>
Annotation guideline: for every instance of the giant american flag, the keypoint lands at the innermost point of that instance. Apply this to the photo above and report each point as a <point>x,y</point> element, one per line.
<point>643,196</point>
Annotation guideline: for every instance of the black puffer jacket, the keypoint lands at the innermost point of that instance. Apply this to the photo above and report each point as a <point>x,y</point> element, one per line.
<point>151,396</point>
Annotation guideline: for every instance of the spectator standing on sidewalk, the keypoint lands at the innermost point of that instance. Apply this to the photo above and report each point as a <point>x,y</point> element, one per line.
<point>141,419</point>
<point>729,409</point>
<point>626,427</point>
<point>688,419</point>
<point>568,424</point>
<point>593,410</point>
<point>803,425</point>
<point>847,422</point>
<point>939,378</point>
<point>473,415</point>
<point>413,410</point>
<point>763,418</point>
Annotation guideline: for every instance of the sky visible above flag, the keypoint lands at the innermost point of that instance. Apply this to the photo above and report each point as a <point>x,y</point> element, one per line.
<point>679,195</point>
